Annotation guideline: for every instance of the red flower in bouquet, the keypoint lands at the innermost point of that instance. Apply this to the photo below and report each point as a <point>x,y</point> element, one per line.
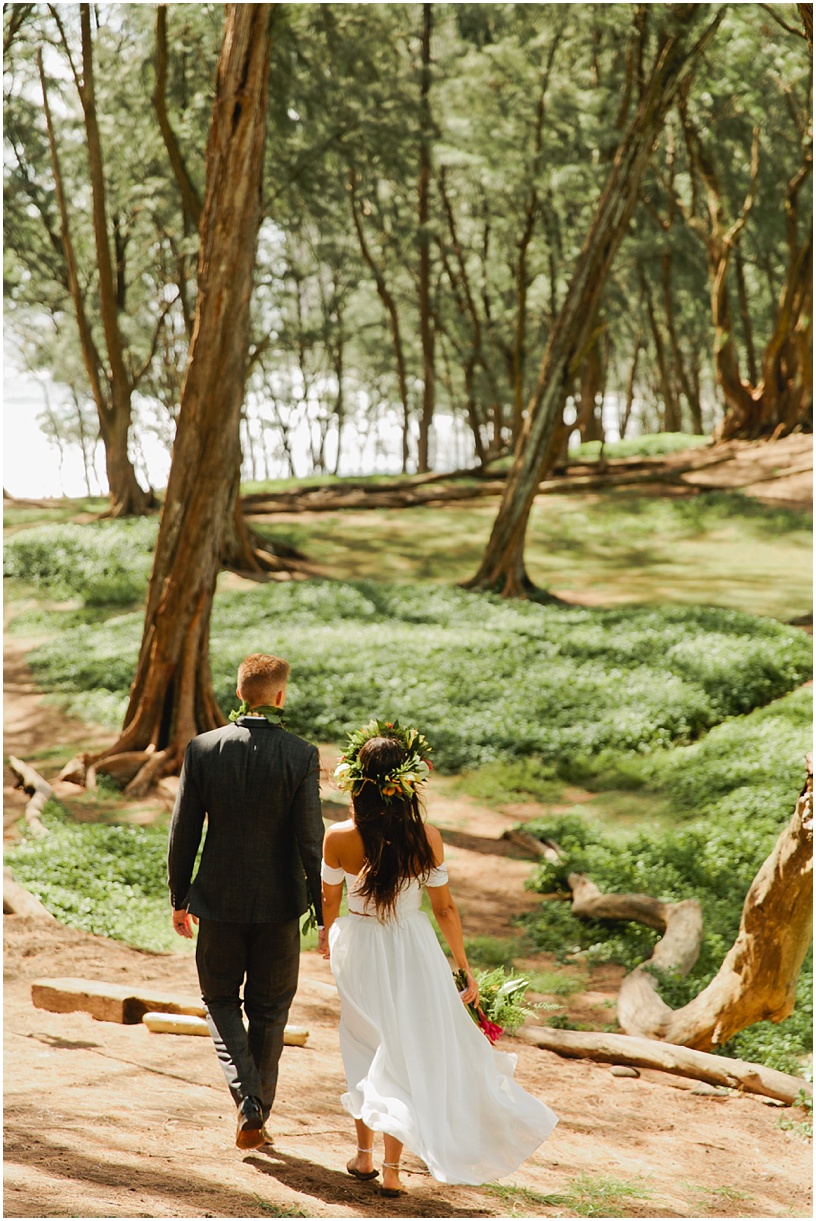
<point>490,1028</point>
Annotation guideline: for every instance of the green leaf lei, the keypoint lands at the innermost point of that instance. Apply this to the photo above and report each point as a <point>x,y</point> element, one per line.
<point>402,781</point>
<point>273,714</point>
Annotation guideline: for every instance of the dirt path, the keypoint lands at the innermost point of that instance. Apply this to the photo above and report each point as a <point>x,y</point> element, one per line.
<point>104,1120</point>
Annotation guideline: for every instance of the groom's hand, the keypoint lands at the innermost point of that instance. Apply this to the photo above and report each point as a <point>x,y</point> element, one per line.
<point>182,923</point>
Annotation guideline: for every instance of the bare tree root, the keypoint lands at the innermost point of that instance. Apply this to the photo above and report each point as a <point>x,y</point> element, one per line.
<point>40,792</point>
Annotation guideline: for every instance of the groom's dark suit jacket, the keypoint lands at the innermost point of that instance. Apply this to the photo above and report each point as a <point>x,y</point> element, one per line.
<point>258,786</point>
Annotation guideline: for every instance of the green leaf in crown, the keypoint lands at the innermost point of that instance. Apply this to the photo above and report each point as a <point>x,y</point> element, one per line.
<point>402,781</point>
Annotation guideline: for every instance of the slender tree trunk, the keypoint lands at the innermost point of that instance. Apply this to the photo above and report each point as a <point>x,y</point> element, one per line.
<point>630,386</point>
<point>127,497</point>
<point>745,316</point>
<point>387,298</point>
<point>172,696</point>
<point>670,413</point>
<point>191,203</point>
<point>112,398</point>
<point>426,328</point>
<point>502,567</point>
<point>687,386</point>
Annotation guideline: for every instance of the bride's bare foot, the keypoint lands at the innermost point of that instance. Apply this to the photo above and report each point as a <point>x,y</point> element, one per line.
<point>362,1165</point>
<point>392,1186</point>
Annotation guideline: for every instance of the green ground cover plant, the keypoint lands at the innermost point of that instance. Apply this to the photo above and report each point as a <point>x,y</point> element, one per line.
<point>107,880</point>
<point>486,679</point>
<point>106,563</point>
<point>719,549</point>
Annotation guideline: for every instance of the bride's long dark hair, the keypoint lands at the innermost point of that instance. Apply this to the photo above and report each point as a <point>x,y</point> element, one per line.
<point>393,832</point>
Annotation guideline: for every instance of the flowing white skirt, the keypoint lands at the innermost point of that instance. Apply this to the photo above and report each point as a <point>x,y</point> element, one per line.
<point>418,1068</point>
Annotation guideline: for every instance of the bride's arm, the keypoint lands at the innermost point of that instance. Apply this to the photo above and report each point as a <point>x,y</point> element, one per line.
<point>332,891</point>
<point>447,917</point>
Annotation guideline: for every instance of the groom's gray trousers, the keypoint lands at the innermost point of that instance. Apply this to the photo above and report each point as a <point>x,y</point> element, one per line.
<point>267,957</point>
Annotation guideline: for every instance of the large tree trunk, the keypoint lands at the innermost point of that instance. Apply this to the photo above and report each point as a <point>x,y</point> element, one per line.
<point>426,329</point>
<point>172,697</point>
<point>502,567</point>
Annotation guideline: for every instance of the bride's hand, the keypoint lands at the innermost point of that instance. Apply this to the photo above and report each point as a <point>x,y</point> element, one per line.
<point>471,993</point>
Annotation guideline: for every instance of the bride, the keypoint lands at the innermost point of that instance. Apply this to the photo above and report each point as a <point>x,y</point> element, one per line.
<point>418,1069</point>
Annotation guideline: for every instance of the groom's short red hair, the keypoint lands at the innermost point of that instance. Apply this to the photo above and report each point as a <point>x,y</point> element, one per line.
<point>260,677</point>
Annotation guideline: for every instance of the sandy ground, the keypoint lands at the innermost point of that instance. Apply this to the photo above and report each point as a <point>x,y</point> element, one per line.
<point>103,1120</point>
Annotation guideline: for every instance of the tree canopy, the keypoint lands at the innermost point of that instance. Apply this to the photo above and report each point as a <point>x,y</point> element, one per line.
<point>431,173</point>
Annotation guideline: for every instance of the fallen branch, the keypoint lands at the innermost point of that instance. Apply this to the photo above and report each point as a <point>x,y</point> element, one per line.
<point>758,977</point>
<point>669,1058</point>
<point>40,790</point>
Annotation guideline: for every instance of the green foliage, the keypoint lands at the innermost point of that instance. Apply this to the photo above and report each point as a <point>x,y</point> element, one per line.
<point>501,998</point>
<point>649,445</point>
<point>526,779</point>
<point>804,1126</point>
<point>492,952</point>
<point>106,563</point>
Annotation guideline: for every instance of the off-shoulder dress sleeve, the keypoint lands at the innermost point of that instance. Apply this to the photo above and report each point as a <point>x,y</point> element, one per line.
<point>331,875</point>
<point>438,876</point>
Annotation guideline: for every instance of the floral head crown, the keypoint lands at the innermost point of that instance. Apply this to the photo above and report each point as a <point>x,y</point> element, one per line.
<point>401,781</point>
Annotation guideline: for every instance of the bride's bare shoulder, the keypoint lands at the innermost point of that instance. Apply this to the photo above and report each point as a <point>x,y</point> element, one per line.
<point>338,832</point>
<point>435,840</point>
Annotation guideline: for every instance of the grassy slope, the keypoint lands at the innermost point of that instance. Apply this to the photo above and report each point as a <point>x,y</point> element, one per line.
<point>716,549</point>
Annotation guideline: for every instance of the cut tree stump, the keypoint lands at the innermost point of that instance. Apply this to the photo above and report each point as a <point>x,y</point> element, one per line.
<point>108,1002</point>
<point>669,1058</point>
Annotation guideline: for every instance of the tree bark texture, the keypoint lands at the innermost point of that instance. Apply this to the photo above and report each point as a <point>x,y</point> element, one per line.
<point>502,566</point>
<point>426,328</point>
<point>172,697</point>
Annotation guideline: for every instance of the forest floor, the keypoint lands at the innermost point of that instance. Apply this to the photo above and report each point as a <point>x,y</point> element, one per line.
<point>104,1120</point>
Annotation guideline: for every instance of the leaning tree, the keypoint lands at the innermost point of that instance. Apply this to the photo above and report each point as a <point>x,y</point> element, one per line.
<point>502,567</point>
<point>172,696</point>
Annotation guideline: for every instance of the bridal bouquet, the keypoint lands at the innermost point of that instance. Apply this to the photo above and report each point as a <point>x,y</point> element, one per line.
<point>501,1004</point>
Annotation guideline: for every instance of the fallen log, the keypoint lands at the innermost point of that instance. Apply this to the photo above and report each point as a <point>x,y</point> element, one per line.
<point>669,1058</point>
<point>523,839</point>
<point>40,790</point>
<point>181,1023</point>
<point>17,901</point>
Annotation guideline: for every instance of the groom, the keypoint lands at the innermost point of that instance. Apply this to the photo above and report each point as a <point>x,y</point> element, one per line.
<point>258,787</point>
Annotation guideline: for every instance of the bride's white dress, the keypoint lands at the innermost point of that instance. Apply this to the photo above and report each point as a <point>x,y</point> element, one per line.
<point>417,1066</point>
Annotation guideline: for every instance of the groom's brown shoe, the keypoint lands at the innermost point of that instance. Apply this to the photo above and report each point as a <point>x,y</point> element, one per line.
<point>250,1132</point>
